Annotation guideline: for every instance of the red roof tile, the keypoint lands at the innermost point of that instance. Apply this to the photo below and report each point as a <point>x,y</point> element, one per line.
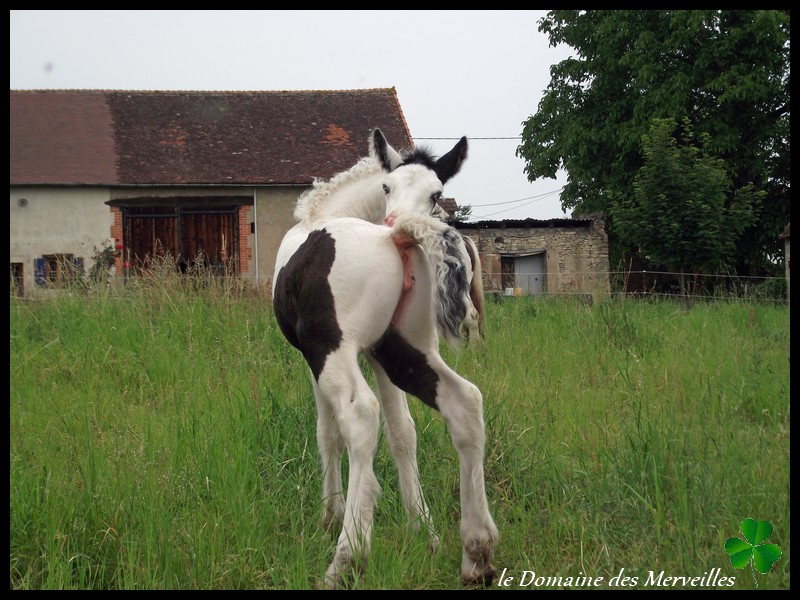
<point>449,205</point>
<point>61,138</point>
<point>195,138</point>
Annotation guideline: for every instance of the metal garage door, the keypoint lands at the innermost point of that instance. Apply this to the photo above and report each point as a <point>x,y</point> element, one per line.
<point>529,274</point>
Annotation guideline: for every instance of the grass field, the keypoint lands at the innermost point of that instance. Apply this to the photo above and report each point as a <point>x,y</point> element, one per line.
<point>163,438</point>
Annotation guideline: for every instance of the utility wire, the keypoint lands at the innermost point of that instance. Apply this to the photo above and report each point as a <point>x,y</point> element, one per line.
<point>531,198</point>
<point>516,137</point>
<point>536,199</point>
<point>521,199</point>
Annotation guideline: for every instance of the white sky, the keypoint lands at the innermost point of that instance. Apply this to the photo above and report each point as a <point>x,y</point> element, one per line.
<point>473,73</point>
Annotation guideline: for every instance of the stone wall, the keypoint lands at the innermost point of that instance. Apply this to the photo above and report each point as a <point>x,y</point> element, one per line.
<point>575,252</point>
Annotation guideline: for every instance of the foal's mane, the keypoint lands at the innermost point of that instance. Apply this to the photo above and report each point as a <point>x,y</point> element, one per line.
<point>420,155</point>
<point>312,203</point>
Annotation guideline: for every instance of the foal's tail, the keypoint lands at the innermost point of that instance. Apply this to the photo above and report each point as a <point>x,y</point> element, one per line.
<point>447,254</point>
<point>475,321</point>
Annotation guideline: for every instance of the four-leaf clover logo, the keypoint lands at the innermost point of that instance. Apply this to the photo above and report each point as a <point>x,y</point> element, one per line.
<point>763,555</point>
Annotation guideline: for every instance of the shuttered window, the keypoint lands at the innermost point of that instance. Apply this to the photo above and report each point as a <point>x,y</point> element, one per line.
<point>54,270</point>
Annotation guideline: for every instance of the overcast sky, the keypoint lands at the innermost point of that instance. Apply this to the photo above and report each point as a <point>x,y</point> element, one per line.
<point>473,73</point>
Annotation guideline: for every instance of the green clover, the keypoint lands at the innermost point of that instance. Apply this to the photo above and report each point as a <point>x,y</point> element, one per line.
<point>763,555</point>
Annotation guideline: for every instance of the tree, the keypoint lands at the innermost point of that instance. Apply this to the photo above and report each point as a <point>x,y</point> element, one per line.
<point>727,71</point>
<point>461,214</point>
<point>678,215</point>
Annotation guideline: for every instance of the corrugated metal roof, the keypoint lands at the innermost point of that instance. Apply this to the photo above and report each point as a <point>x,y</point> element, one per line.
<point>96,137</point>
<point>524,223</point>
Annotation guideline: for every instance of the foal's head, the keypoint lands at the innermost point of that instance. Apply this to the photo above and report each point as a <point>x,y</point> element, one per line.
<point>414,180</point>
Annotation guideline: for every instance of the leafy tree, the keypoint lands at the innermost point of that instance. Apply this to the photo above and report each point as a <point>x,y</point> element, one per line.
<point>462,214</point>
<point>727,71</point>
<point>678,215</point>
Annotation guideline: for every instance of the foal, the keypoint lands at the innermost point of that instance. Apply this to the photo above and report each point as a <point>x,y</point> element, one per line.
<point>344,287</point>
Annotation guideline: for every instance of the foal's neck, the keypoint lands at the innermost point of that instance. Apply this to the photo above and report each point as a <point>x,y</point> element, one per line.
<point>356,193</point>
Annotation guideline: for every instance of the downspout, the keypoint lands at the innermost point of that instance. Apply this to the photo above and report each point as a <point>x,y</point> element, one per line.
<point>255,230</point>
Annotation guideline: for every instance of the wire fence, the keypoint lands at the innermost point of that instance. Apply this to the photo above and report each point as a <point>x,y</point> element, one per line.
<point>588,286</point>
<point>638,284</point>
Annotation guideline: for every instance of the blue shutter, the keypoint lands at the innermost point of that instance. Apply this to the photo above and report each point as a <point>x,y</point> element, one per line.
<point>77,265</point>
<point>39,271</point>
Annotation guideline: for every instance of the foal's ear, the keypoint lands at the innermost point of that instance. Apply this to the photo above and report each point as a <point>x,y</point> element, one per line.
<point>379,148</point>
<point>450,164</point>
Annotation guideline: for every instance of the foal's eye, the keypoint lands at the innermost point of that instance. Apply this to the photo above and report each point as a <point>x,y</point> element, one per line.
<point>385,189</point>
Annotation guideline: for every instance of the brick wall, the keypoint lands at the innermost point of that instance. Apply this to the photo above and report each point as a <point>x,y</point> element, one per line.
<point>245,247</point>
<point>116,235</point>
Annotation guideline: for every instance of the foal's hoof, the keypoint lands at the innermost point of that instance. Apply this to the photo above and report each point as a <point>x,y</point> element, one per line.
<point>343,573</point>
<point>477,568</point>
<point>333,518</point>
<point>331,523</point>
<point>334,582</point>
<point>475,577</point>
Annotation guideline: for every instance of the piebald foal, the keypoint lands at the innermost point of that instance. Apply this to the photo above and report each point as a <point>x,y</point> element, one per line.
<point>355,279</point>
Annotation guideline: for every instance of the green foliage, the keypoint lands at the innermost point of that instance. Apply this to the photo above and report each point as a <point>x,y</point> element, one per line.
<point>462,214</point>
<point>727,71</point>
<point>103,259</point>
<point>678,215</point>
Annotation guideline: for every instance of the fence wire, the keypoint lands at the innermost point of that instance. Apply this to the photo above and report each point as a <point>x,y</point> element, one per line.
<point>715,286</point>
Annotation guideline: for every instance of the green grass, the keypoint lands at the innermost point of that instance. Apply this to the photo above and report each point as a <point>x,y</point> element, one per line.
<point>163,438</point>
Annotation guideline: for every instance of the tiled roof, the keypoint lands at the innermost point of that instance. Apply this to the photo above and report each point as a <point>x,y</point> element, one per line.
<point>449,205</point>
<point>88,137</point>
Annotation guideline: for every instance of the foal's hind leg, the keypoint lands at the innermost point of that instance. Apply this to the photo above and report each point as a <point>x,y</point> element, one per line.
<point>401,434</point>
<point>424,374</point>
<point>461,405</point>
<point>409,352</point>
<point>356,412</point>
<point>331,445</point>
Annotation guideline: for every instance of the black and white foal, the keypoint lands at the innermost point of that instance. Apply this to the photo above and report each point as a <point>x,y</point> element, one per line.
<point>370,270</point>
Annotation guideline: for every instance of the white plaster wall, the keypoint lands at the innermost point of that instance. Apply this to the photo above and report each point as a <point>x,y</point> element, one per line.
<point>57,221</point>
<point>274,217</point>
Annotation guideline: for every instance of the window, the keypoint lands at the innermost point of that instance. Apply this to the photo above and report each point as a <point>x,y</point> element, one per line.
<point>55,270</point>
<point>16,279</point>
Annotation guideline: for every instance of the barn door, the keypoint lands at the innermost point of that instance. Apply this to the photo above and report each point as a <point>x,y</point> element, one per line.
<point>529,274</point>
<point>150,233</point>
<point>183,234</point>
<point>212,235</point>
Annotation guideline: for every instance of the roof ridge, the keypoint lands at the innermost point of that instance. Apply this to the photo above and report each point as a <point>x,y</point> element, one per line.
<point>402,115</point>
<point>221,92</point>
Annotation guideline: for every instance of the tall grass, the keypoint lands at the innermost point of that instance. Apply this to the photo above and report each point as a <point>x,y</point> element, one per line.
<point>163,438</point>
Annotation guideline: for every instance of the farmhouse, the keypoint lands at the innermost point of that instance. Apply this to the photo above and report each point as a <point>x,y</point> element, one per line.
<point>214,175</point>
<point>211,174</point>
<point>533,257</point>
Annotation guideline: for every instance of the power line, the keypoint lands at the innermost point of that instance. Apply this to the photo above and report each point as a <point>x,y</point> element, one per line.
<point>521,199</point>
<point>516,137</point>
<point>531,198</point>
<point>536,199</point>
